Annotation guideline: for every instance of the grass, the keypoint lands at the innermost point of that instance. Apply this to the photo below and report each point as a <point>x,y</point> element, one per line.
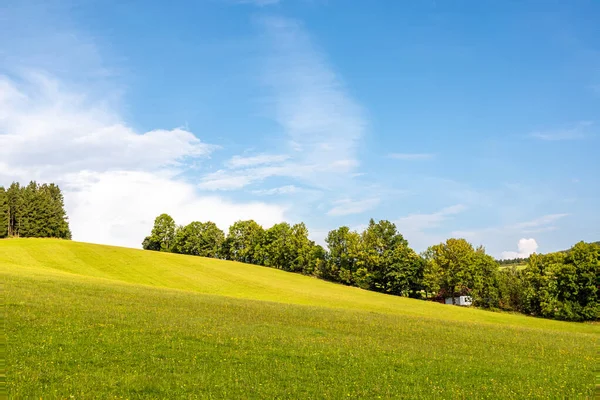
<point>520,266</point>
<point>94,321</point>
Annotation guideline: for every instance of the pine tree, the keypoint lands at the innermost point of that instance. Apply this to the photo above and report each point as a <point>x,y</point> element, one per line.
<point>15,209</point>
<point>29,218</point>
<point>3,213</point>
<point>34,211</point>
<point>55,214</point>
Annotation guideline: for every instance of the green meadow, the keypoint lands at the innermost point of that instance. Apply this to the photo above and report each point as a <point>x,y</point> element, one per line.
<point>92,321</point>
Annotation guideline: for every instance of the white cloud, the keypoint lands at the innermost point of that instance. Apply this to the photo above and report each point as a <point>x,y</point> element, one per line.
<point>540,222</point>
<point>416,228</point>
<point>411,156</point>
<point>115,180</point>
<point>261,159</point>
<point>287,189</point>
<point>526,248</point>
<point>227,179</point>
<point>47,131</point>
<point>348,207</point>
<point>322,123</point>
<point>417,222</point>
<point>503,235</point>
<point>119,207</point>
<point>573,133</point>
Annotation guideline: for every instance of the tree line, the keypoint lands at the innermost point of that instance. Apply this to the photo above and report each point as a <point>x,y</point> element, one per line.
<point>563,285</point>
<point>513,261</point>
<point>35,210</point>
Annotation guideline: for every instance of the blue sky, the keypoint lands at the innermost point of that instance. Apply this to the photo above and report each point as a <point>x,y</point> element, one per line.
<point>467,119</point>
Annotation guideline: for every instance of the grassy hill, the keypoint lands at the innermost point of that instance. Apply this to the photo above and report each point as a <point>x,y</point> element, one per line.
<point>107,322</point>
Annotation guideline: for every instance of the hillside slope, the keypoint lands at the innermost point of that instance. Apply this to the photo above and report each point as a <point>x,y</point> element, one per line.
<point>218,277</point>
<point>99,321</point>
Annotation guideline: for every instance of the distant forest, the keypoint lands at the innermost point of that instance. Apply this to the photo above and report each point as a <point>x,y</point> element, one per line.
<point>562,285</point>
<point>33,211</point>
<point>513,261</point>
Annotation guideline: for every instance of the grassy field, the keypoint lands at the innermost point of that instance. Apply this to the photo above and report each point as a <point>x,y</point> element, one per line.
<point>94,321</point>
<point>520,266</point>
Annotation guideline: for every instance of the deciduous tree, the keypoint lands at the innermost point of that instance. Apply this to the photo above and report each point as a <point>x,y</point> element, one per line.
<point>455,268</point>
<point>199,239</point>
<point>163,232</point>
<point>243,242</point>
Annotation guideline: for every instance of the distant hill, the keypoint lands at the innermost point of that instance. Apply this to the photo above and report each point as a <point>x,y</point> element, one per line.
<point>524,261</point>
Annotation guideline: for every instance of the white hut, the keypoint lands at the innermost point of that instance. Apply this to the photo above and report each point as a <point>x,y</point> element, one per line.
<point>460,300</point>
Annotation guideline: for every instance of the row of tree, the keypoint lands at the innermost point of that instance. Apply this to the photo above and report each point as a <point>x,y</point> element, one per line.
<point>33,211</point>
<point>513,261</point>
<point>562,285</point>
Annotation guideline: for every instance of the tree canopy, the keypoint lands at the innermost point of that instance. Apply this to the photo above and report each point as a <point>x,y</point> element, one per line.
<point>199,239</point>
<point>35,210</point>
<point>562,285</point>
<point>162,236</point>
<point>456,268</point>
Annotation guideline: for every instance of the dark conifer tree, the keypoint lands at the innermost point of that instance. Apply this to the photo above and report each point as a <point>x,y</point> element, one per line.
<point>15,202</point>
<point>3,213</point>
<point>33,211</point>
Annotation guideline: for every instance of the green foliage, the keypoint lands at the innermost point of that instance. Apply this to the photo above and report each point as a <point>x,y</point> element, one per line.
<point>276,249</point>
<point>149,244</point>
<point>511,288</point>
<point>343,259</point>
<point>162,236</point>
<point>33,211</point>
<point>513,261</point>
<point>559,285</point>
<point>199,239</point>
<point>288,248</point>
<point>564,285</point>
<point>3,213</point>
<point>390,266</point>
<point>14,196</point>
<point>455,268</point>
<point>378,259</point>
<point>244,241</point>
<point>282,246</point>
<point>91,321</point>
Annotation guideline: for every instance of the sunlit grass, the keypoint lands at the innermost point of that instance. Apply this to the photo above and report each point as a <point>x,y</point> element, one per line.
<point>102,322</point>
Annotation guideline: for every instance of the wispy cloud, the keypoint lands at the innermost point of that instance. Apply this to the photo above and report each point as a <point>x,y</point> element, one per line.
<point>287,189</point>
<point>543,221</point>
<point>116,180</point>
<point>411,156</point>
<point>507,233</point>
<point>261,159</point>
<point>574,133</point>
<point>233,179</point>
<point>305,96</point>
<point>419,222</point>
<point>348,206</point>
<point>309,99</point>
<point>422,229</point>
<point>49,130</point>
